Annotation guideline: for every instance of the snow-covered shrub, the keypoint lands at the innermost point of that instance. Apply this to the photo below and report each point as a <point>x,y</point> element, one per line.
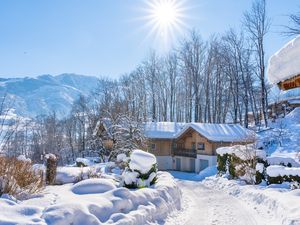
<point>18,178</point>
<point>122,161</point>
<point>83,162</point>
<point>280,174</point>
<point>141,171</point>
<point>241,162</point>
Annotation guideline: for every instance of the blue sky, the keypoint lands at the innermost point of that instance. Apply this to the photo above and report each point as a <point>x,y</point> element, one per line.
<point>106,37</point>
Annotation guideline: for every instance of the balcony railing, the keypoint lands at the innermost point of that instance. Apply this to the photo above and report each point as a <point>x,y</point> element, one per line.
<point>185,152</point>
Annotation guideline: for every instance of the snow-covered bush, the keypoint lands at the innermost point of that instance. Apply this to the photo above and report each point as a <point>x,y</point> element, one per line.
<point>280,174</point>
<point>122,161</point>
<point>141,171</point>
<point>18,178</point>
<point>83,162</point>
<point>243,162</point>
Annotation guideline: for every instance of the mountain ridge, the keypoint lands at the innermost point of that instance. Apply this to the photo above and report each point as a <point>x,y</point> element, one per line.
<point>46,93</point>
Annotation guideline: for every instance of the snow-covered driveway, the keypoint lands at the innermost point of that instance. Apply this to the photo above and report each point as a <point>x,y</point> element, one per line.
<point>205,206</point>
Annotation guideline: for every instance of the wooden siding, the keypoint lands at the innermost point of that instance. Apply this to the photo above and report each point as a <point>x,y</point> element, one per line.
<point>162,147</point>
<point>191,136</point>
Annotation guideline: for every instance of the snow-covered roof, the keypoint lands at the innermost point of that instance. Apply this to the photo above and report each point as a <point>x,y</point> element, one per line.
<point>162,130</point>
<point>284,64</point>
<point>220,132</point>
<point>213,132</point>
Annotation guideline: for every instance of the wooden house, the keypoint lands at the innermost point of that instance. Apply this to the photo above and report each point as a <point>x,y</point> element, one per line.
<point>192,146</point>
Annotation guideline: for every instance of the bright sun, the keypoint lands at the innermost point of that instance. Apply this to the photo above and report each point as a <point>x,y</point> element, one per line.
<point>165,18</point>
<point>165,13</point>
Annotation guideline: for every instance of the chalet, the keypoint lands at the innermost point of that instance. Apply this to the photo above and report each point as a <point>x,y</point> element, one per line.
<point>284,67</point>
<point>192,146</point>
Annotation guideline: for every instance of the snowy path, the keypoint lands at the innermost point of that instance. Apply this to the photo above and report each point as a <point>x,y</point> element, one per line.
<point>203,206</point>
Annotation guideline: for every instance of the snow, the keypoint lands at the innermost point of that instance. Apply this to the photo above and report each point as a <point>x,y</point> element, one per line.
<point>162,130</point>
<point>84,161</point>
<point>23,158</point>
<point>59,205</point>
<point>275,204</point>
<point>289,147</point>
<point>122,158</point>
<point>93,186</point>
<point>242,151</point>
<point>221,132</point>
<point>277,160</point>
<point>141,161</point>
<point>65,175</point>
<point>284,64</point>
<point>275,171</point>
<point>260,167</point>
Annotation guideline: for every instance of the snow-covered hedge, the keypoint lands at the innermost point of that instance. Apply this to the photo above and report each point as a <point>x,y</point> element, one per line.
<point>280,174</point>
<point>283,161</point>
<point>242,161</point>
<point>141,170</point>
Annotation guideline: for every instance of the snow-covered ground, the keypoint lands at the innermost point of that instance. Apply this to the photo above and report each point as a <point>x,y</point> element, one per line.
<point>283,139</point>
<point>95,201</point>
<point>217,200</point>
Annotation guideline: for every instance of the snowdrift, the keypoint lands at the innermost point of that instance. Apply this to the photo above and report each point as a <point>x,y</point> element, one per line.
<point>282,204</point>
<point>62,205</point>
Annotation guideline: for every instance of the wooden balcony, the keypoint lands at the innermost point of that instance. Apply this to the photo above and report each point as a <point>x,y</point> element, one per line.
<point>185,152</point>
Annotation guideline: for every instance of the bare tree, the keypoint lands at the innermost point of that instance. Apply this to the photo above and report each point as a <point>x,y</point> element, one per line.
<point>257,24</point>
<point>294,28</point>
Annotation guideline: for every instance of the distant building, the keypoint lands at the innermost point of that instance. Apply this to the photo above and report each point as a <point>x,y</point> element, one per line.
<point>192,146</point>
<point>284,66</point>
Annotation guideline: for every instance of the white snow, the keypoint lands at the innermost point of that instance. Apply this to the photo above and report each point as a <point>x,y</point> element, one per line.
<point>260,167</point>
<point>141,161</point>
<point>162,130</point>
<point>221,132</point>
<point>274,204</point>
<point>122,158</point>
<point>277,160</point>
<point>284,64</point>
<point>58,205</point>
<point>23,158</point>
<point>93,186</point>
<point>70,174</point>
<point>84,161</point>
<point>274,171</point>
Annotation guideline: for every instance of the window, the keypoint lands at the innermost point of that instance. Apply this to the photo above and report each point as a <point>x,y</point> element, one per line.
<point>201,146</point>
<point>153,146</point>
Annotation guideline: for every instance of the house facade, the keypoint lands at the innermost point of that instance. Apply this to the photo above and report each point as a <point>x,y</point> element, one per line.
<point>192,146</point>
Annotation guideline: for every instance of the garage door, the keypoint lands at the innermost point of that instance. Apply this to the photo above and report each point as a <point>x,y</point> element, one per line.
<point>203,164</point>
<point>178,164</point>
<point>192,165</point>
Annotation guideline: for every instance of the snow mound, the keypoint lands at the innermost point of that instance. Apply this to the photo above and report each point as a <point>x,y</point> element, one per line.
<point>117,206</point>
<point>14,213</point>
<point>275,171</point>
<point>141,161</point>
<point>284,64</point>
<point>207,172</point>
<point>93,186</point>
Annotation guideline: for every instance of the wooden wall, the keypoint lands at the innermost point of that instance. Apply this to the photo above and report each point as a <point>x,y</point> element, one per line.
<point>162,147</point>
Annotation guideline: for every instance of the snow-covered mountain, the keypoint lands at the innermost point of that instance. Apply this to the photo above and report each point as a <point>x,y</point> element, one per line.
<point>45,94</point>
